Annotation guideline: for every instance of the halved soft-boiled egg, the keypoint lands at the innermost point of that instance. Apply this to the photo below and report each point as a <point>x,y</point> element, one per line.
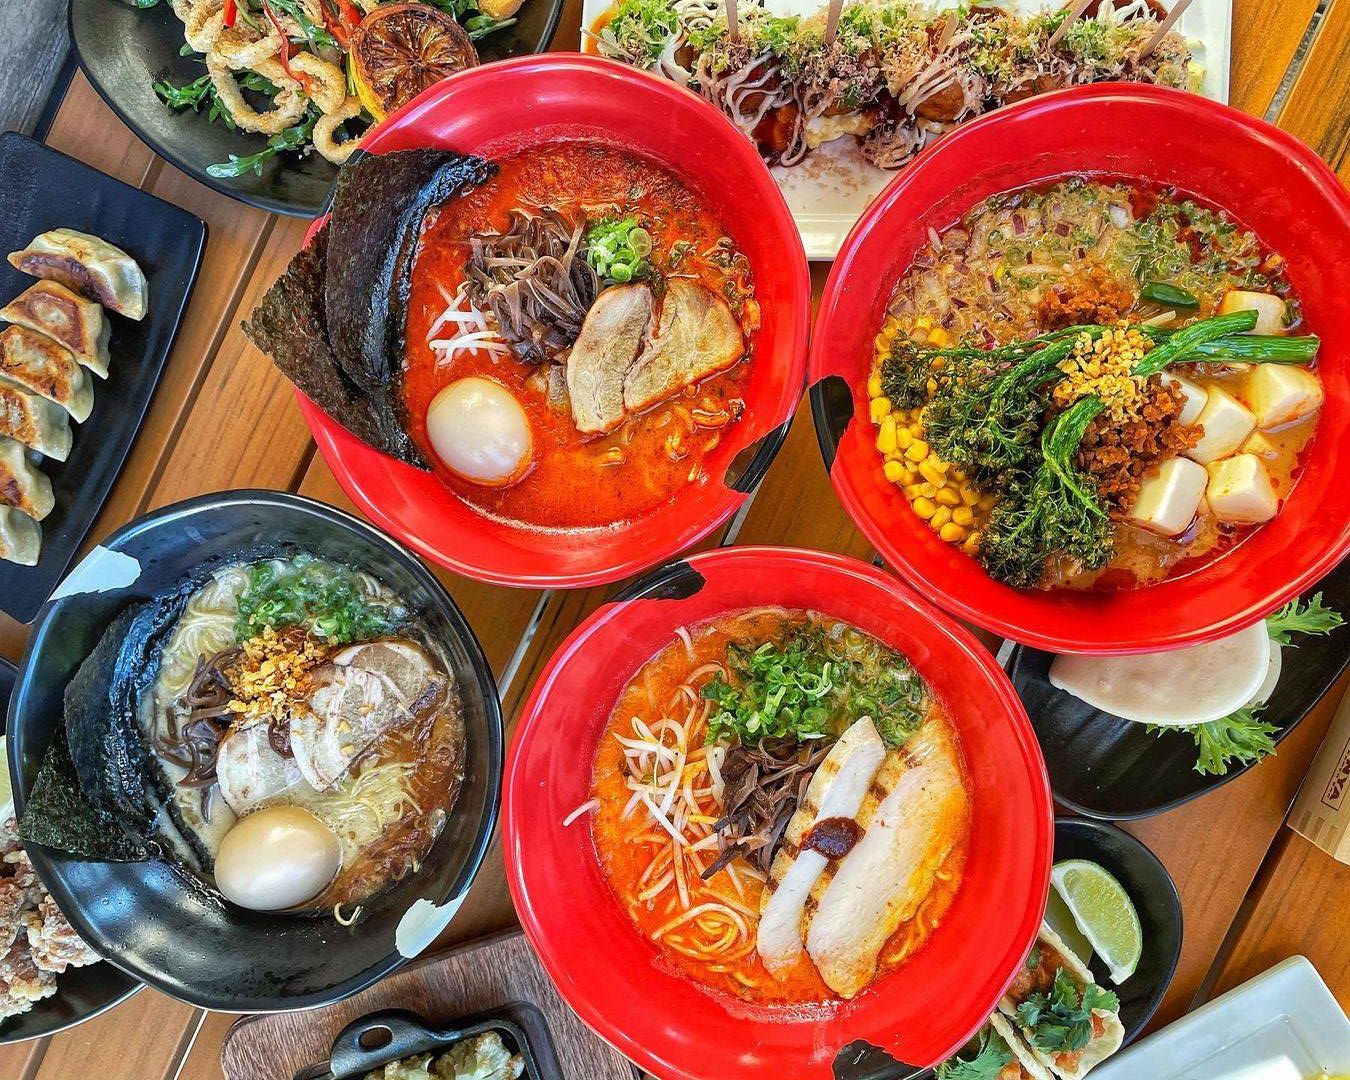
<point>1193,685</point>
<point>276,858</point>
<point>480,431</point>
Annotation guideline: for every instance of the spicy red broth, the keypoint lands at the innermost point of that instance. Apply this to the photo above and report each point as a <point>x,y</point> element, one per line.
<point>575,480</point>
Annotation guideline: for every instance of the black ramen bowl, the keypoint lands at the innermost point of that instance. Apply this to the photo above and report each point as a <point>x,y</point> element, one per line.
<point>124,50</point>
<point>155,920</point>
<point>81,993</point>
<point>1155,898</point>
<point>1105,767</point>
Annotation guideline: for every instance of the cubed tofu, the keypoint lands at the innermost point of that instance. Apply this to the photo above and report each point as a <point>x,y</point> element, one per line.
<point>1227,423</point>
<point>1193,393</point>
<point>1269,308</point>
<point>1240,490</point>
<point>1260,444</point>
<point>1280,395</point>
<point>1167,500</point>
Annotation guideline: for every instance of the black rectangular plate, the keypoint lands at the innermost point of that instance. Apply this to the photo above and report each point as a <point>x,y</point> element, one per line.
<point>42,189</point>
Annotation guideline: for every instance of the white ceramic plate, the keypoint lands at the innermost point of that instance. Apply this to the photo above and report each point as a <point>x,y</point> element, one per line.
<point>1282,1025</point>
<point>830,189</point>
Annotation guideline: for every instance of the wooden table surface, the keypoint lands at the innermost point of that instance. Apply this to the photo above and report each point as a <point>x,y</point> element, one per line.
<point>1253,891</point>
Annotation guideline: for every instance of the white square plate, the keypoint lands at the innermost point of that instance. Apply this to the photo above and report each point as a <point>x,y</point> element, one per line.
<point>1282,1025</point>
<point>830,189</point>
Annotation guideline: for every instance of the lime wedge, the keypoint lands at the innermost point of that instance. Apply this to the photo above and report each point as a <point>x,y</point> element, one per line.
<point>1103,911</point>
<point>1061,921</point>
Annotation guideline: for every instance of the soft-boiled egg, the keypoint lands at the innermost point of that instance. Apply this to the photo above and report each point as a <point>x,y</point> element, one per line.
<point>276,858</point>
<point>1193,685</point>
<point>480,432</point>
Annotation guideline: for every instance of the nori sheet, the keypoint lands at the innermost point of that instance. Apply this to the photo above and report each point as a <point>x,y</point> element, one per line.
<point>59,816</point>
<point>378,207</point>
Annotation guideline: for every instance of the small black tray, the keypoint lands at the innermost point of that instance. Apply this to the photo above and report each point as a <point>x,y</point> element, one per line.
<point>1104,767</point>
<point>374,1041</point>
<point>42,189</point>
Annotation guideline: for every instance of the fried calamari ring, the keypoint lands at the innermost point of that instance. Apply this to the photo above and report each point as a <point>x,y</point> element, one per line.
<point>326,129</point>
<point>327,86</point>
<point>287,107</point>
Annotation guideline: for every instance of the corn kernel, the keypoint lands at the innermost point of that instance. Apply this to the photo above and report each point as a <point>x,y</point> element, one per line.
<point>925,508</point>
<point>893,471</point>
<point>928,466</point>
<point>941,516</point>
<point>912,491</point>
<point>903,437</point>
<point>952,532</point>
<point>939,337</point>
<point>958,475</point>
<point>987,501</point>
<point>969,495</point>
<point>971,545</point>
<point>874,386</point>
<point>907,475</point>
<point>886,436</point>
<point>923,322</point>
<point>881,408</point>
<point>917,451</point>
<point>949,497</point>
<point>916,428</point>
<point>932,386</point>
<point>963,515</point>
<point>881,344</point>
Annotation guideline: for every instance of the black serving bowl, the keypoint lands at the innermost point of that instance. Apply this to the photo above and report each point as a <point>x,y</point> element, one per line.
<point>1105,767</point>
<point>1155,898</point>
<point>81,993</point>
<point>153,919</point>
<point>124,50</point>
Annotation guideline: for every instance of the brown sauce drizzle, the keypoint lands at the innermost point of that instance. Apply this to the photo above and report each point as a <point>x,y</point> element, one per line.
<point>833,837</point>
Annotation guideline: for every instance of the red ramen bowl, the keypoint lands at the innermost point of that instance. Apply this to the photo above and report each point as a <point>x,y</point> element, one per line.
<point>616,979</point>
<point>1265,178</point>
<point>505,107</point>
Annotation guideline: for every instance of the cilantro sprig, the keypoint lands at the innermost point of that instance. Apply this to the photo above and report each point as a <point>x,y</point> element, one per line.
<point>989,1061</point>
<point>1061,1021</point>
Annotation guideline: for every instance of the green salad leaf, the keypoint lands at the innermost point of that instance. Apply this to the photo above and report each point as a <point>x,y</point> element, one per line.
<point>1297,617</point>
<point>989,1060</point>
<point>325,597</point>
<point>296,137</point>
<point>813,685</point>
<point>1061,1021</point>
<point>618,250</point>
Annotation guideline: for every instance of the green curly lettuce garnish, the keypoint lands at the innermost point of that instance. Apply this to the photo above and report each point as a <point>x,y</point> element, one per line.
<point>1297,617</point>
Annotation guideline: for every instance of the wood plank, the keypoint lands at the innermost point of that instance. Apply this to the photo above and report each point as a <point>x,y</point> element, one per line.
<point>20,1061</point>
<point>244,428</point>
<point>1266,35</point>
<point>87,129</point>
<point>1214,848</point>
<point>202,1060</point>
<point>33,46</point>
<point>1318,109</point>
<point>141,1039</point>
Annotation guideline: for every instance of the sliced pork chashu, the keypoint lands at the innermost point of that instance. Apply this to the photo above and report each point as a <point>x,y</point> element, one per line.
<point>365,692</point>
<point>250,771</point>
<point>614,331</point>
<point>914,814</point>
<point>837,790</point>
<point>697,336</point>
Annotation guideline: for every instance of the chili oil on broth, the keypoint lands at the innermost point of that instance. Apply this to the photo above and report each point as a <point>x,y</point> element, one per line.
<point>386,810</point>
<point>989,277</point>
<point>577,481</point>
<point>717,950</point>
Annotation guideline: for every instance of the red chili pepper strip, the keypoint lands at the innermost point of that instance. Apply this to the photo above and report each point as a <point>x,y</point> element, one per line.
<point>231,13</point>
<point>284,55</point>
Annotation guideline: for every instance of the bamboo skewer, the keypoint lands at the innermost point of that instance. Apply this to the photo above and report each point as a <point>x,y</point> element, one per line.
<point>733,30</point>
<point>1178,9</point>
<point>832,20</point>
<point>1075,13</point>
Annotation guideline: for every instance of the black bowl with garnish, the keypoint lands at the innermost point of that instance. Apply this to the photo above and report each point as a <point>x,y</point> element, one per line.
<point>152,917</point>
<point>1104,767</point>
<point>127,48</point>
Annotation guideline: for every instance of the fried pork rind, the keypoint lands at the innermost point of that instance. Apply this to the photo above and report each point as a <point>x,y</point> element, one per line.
<point>52,941</point>
<point>483,1057</point>
<point>22,982</point>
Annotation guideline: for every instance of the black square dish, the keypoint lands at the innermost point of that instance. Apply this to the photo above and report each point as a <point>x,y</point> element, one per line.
<point>42,189</point>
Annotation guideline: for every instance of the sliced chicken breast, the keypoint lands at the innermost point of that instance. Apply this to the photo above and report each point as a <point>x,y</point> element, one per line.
<point>250,772</point>
<point>836,790</point>
<point>914,815</point>
<point>697,336</point>
<point>614,330</point>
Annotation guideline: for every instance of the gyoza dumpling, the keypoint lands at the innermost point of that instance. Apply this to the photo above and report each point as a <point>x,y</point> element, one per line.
<point>34,421</point>
<point>90,266</point>
<point>20,537</point>
<point>22,485</point>
<point>70,320</point>
<point>38,363</point>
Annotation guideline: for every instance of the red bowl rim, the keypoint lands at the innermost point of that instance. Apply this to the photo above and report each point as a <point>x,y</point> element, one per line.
<point>773,209</point>
<point>1299,155</point>
<point>531,716</point>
